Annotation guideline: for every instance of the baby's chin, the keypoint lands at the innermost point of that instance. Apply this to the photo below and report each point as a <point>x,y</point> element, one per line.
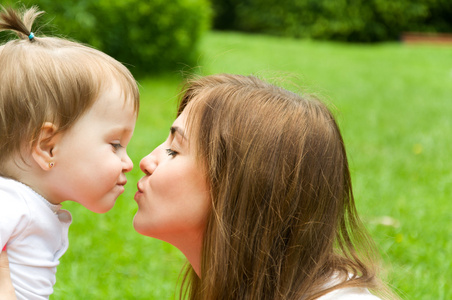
<point>108,202</point>
<point>102,206</point>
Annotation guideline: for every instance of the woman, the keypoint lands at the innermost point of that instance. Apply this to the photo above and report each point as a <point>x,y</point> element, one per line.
<point>253,186</point>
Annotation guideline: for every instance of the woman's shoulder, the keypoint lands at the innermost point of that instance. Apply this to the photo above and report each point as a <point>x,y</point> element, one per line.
<point>351,293</point>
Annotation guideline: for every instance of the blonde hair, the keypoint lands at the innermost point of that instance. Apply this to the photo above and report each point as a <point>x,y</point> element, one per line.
<point>49,79</point>
<point>283,223</point>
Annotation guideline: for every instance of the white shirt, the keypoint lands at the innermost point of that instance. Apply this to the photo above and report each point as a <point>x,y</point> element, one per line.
<point>352,293</point>
<point>36,234</point>
<point>347,293</point>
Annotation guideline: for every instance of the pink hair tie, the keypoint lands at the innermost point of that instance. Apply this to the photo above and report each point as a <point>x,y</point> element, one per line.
<point>4,248</point>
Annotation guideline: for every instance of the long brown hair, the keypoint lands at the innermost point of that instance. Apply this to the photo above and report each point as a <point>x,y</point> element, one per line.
<point>283,223</point>
<point>49,79</point>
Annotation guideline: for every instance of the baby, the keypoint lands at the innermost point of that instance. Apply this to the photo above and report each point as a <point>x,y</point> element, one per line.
<point>67,113</point>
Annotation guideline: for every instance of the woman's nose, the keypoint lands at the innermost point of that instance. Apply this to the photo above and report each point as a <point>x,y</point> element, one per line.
<point>149,163</point>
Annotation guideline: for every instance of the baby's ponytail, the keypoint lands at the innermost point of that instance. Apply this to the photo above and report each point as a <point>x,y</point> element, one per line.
<point>20,23</point>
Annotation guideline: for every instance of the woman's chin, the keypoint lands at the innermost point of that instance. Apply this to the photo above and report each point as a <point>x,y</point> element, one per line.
<point>139,226</point>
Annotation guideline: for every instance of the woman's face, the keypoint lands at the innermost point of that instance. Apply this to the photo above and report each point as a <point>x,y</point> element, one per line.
<point>173,196</point>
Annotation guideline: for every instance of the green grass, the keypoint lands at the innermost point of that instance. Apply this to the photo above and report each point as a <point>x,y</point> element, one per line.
<point>393,103</point>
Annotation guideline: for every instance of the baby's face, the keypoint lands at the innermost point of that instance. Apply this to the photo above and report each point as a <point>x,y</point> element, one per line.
<point>91,158</point>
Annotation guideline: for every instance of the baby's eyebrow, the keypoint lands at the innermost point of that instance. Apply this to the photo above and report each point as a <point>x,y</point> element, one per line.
<point>122,130</point>
<point>179,130</point>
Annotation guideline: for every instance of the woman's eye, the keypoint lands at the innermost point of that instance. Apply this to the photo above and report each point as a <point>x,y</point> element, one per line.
<point>171,152</point>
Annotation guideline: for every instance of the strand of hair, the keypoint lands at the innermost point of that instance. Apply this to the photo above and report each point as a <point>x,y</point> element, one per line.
<point>20,24</point>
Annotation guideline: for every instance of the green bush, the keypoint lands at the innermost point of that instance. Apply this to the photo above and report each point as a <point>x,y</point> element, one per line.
<point>148,36</point>
<point>345,20</point>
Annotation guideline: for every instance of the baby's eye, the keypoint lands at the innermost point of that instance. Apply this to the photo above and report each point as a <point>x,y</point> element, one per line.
<point>116,146</point>
<point>171,152</point>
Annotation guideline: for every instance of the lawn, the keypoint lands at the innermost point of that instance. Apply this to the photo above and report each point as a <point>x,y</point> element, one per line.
<point>394,106</point>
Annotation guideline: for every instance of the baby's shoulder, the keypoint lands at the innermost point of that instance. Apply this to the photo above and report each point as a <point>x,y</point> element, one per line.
<point>12,197</point>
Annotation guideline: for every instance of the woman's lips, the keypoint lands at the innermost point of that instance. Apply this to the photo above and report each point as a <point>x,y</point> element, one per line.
<point>139,192</point>
<point>139,188</point>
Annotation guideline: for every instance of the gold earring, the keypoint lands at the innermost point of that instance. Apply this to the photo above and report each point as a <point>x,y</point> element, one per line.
<point>51,164</point>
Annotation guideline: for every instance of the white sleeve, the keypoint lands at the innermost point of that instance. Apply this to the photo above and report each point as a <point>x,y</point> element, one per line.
<point>14,216</point>
<point>354,293</point>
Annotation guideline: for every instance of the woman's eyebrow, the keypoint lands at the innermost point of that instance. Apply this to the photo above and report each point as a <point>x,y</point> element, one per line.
<point>179,130</point>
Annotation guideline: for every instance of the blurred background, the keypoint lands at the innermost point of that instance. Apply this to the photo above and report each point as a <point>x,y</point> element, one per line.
<point>158,35</point>
<point>383,66</point>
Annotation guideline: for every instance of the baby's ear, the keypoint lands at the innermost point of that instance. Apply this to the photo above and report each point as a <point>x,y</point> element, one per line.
<point>42,150</point>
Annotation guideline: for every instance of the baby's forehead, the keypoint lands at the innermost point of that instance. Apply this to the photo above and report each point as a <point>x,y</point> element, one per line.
<point>114,93</point>
<point>121,90</point>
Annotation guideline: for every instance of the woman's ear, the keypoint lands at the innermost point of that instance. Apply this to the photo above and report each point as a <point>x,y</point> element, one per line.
<point>42,150</point>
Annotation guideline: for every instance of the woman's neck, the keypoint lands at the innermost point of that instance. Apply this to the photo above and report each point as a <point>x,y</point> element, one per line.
<point>191,247</point>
